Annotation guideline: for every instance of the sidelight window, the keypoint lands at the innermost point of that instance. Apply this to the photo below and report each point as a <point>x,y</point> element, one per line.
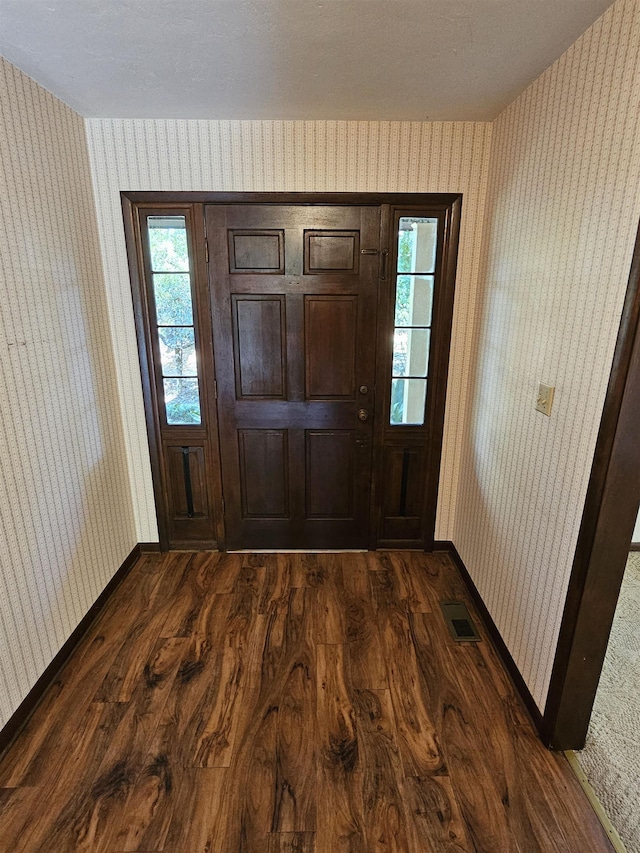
<point>417,240</point>
<point>172,292</point>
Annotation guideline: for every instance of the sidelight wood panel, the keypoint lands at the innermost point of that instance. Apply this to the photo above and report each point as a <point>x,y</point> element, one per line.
<point>259,341</point>
<point>403,496</point>
<point>331,345</point>
<point>330,463</point>
<point>188,491</point>
<point>188,480</point>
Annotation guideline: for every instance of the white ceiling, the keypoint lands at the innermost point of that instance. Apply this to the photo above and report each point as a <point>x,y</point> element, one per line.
<point>290,59</point>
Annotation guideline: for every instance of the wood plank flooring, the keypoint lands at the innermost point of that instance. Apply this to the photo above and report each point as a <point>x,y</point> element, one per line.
<point>286,703</point>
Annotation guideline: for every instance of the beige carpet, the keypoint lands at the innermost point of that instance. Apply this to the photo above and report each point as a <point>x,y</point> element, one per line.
<point>611,757</point>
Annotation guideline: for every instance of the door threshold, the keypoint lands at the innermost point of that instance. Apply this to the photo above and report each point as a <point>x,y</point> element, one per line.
<point>298,551</point>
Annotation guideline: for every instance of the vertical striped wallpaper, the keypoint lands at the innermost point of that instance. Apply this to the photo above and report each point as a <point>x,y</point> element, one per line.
<point>562,212</point>
<point>66,521</point>
<point>315,156</point>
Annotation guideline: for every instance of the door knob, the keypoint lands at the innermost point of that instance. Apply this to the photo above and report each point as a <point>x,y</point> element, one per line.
<point>363,414</point>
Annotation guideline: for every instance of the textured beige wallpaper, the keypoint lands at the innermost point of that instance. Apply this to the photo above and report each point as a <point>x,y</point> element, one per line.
<point>280,156</point>
<point>562,214</point>
<point>66,521</point>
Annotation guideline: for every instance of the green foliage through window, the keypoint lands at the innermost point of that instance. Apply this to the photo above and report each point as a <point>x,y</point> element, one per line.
<point>168,245</point>
<point>169,255</point>
<point>182,401</point>
<point>414,297</point>
<point>172,296</point>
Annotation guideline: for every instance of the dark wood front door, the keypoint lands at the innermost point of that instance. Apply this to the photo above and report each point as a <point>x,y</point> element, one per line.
<point>294,295</point>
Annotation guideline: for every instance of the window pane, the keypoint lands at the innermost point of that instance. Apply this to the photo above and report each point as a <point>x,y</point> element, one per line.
<point>177,351</point>
<point>168,243</point>
<point>417,237</point>
<point>172,294</point>
<point>407,401</point>
<point>410,352</point>
<point>414,296</point>
<point>182,401</point>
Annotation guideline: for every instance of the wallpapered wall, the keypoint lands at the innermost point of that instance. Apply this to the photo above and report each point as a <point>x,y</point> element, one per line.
<point>66,521</point>
<point>562,213</point>
<point>286,156</point>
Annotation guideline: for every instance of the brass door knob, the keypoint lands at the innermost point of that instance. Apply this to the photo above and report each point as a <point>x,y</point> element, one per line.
<point>363,414</point>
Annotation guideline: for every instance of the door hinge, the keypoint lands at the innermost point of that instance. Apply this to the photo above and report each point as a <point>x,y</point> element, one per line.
<point>206,250</point>
<point>215,388</point>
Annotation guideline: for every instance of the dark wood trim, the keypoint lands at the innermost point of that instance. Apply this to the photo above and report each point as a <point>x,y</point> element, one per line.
<point>494,634</point>
<point>387,239</point>
<point>138,296</point>
<point>635,546</point>
<point>149,547</point>
<point>31,701</point>
<point>440,201</point>
<point>446,206</point>
<point>201,545</point>
<point>608,519</point>
<point>440,367</point>
<point>207,351</point>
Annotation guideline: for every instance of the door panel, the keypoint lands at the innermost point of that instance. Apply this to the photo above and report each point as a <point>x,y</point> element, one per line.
<point>331,251</point>
<point>330,336</point>
<point>256,252</point>
<point>264,476</point>
<point>330,462</point>
<point>294,312</point>
<point>259,339</point>
<point>403,492</point>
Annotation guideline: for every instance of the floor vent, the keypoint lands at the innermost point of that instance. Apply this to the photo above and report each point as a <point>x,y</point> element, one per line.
<point>459,621</point>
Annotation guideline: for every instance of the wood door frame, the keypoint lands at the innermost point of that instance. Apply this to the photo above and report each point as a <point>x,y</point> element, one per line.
<point>446,205</point>
<point>448,239</point>
<point>138,274</point>
<point>608,519</point>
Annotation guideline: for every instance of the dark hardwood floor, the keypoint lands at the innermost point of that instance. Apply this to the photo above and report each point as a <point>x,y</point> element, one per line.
<point>297,703</point>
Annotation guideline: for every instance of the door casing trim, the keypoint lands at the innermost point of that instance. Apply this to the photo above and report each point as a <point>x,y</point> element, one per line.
<point>448,204</point>
<point>602,548</point>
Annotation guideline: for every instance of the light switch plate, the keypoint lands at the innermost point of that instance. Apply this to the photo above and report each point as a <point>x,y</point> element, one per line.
<point>545,398</point>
